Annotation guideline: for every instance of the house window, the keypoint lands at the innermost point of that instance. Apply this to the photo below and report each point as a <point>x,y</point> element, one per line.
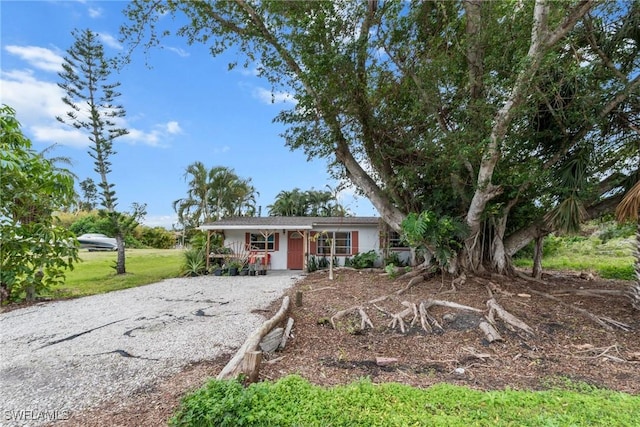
<point>257,242</point>
<point>396,241</point>
<point>342,243</point>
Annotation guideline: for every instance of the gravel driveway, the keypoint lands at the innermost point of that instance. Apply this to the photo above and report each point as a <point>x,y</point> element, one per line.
<point>58,358</point>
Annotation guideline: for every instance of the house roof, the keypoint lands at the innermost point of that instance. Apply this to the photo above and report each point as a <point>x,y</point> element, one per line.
<point>287,222</point>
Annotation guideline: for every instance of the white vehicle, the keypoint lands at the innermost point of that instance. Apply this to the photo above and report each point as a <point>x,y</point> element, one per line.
<point>97,242</point>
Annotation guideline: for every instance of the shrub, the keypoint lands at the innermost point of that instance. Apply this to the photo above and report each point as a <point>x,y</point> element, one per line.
<point>394,258</point>
<point>195,262</point>
<point>364,259</point>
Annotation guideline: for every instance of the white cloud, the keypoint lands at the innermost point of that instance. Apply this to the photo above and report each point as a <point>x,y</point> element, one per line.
<point>34,100</point>
<point>173,127</point>
<point>156,137</point>
<point>110,41</point>
<point>39,57</point>
<point>38,102</point>
<point>59,134</point>
<point>180,52</point>
<point>95,12</point>
<point>269,97</point>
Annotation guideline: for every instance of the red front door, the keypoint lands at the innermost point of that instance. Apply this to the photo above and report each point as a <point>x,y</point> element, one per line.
<point>295,251</point>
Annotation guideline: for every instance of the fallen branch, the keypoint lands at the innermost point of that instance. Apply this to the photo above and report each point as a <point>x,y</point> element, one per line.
<point>234,367</point>
<point>509,318</point>
<point>490,332</point>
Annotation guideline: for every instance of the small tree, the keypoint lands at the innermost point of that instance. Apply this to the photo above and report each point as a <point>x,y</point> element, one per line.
<point>91,98</point>
<point>34,252</point>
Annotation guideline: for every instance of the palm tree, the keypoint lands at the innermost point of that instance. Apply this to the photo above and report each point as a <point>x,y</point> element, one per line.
<point>214,194</point>
<point>628,210</point>
<point>194,210</point>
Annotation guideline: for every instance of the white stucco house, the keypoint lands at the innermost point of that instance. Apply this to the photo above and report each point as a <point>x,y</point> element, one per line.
<point>287,242</point>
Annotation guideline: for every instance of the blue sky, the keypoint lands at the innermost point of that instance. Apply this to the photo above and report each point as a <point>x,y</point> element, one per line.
<point>182,105</point>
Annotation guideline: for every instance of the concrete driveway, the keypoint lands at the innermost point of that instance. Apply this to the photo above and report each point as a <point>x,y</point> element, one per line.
<point>61,357</point>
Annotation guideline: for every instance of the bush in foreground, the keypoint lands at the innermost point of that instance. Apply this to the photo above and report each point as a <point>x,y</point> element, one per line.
<point>293,401</point>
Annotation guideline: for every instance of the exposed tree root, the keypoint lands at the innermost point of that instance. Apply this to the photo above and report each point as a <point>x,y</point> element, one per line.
<point>601,293</point>
<point>412,313</point>
<point>604,321</point>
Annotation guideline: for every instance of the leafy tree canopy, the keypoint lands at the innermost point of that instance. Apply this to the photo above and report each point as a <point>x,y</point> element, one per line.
<point>34,252</point>
<point>516,117</point>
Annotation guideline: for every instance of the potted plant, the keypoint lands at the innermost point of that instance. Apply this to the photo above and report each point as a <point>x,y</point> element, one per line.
<point>244,270</point>
<point>217,270</point>
<point>252,269</point>
<point>234,267</point>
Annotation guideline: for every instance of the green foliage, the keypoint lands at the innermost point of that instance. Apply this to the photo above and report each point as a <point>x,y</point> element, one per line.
<point>612,259</point>
<point>293,401</point>
<point>390,269</point>
<point>323,263</point>
<point>364,259</point>
<point>442,236</point>
<point>91,223</point>
<point>616,230</point>
<point>312,264</point>
<point>156,237</point>
<point>194,262</point>
<point>394,258</point>
<point>213,194</point>
<point>34,252</point>
<point>306,203</point>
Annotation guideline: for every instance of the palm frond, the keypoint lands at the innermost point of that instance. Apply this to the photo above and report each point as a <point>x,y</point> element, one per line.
<point>630,205</point>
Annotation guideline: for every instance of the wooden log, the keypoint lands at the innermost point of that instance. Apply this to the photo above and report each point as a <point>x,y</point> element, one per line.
<point>287,333</point>
<point>270,342</point>
<point>233,368</point>
<point>251,365</point>
<point>508,317</point>
<point>490,332</point>
<point>298,298</point>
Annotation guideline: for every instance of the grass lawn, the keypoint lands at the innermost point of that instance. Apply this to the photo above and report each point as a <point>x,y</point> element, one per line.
<point>611,260</point>
<point>95,274</point>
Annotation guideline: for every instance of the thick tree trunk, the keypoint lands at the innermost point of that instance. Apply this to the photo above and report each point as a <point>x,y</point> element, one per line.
<point>537,258</point>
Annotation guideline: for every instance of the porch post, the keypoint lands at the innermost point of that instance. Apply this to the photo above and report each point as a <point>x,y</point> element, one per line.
<point>208,249</point>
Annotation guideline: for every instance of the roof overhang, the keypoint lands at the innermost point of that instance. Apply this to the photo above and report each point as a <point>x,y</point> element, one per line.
<point>214,227</point>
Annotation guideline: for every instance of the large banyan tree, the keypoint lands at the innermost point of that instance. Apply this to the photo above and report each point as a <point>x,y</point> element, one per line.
<point>516,117</point>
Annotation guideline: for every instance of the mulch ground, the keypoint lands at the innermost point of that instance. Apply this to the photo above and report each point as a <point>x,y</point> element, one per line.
<point>567,342</point>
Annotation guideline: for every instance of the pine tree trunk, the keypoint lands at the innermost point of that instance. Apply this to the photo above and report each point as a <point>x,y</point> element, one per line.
<point>120,263</point>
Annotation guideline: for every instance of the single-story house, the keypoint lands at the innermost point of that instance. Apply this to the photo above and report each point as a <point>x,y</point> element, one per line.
<point>286,243</point>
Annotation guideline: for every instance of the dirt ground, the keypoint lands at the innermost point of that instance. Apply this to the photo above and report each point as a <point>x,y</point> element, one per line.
<point>566,341</point>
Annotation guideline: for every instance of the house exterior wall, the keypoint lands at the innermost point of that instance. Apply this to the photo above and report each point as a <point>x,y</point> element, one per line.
<point>368,239</point>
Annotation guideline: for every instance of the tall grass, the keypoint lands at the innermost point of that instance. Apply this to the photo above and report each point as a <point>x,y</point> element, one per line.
<point>95,273</point>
